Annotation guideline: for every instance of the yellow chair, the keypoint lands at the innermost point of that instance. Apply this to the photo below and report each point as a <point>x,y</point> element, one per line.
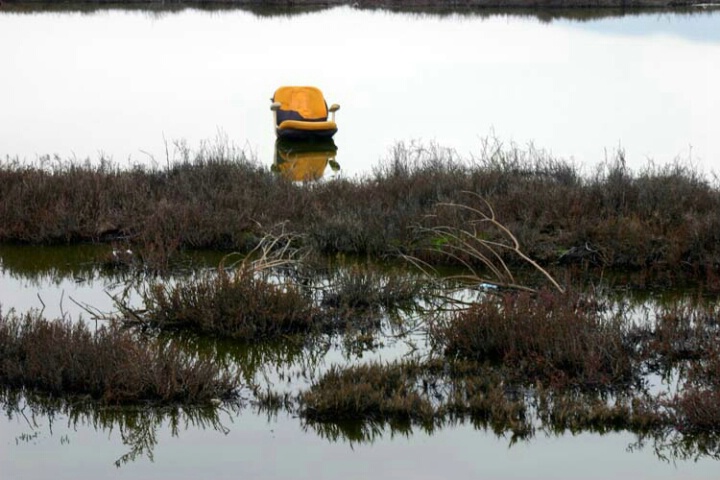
<point>301,113</point>
<point>304,161</point>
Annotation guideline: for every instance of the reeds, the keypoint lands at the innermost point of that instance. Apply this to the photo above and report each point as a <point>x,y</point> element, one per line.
<point>367,392</point>
<point>552,337</point>
<point>243,301</point>
<point>111,365</point>
<point>662,220</point>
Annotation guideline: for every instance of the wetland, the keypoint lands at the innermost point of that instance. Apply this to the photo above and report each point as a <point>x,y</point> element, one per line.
<point>461,305</point>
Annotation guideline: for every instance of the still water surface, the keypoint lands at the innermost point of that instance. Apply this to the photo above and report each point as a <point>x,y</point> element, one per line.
<point>170,443</point>
<point>126,84</point>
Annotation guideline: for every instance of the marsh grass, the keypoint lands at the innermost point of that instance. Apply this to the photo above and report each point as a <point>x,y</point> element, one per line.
<point>663,220</point>
<point>683,331</point>
<point>552,337</point>
<point>518,363</point>
<point>362,402</point>
<point>110,365</point>
<point>274,292</point>
<point>236,304</point>
<point>366,286</point>
<point>696,405</point>
<point>480,246</point>
<point>367,391</point>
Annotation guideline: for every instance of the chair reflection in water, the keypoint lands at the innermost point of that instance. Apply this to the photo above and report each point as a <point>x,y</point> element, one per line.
<point>304,146</point>
<point>304,161</point>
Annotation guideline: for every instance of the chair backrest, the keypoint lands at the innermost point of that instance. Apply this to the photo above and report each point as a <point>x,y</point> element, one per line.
<point>300,103</point>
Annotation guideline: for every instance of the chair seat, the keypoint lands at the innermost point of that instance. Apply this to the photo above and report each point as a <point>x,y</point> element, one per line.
<point>301,113</point>
<point>309,126</point>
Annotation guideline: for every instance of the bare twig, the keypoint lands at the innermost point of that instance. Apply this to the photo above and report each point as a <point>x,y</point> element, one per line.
<point>468,247</point>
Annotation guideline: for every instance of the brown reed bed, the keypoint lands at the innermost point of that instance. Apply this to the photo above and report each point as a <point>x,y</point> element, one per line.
<point>244,304</point>
<point>110,365</point>
<point>661,220</point>
<point>234,304</point>
<point>551,337</point>
<point>369,391</point>
<point>518,363</point>
<point>273,292</point>
<point>363,399</point>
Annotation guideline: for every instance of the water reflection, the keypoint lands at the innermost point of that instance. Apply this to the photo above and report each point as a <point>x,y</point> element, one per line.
<point>289,361</point>
<point>137,428</point>
<point>582,87</point>
<point>305,161</point>
<point>667,444</point>
<point>76,280</point>
<point>546,15</point>
<point>288,367</point>
<point>41,265</point>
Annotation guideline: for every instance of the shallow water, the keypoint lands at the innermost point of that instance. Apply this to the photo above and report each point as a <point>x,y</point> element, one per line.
<point>130,84</point>
<point>260,448</point>
<point>77,442</point>
<point>646,83</point>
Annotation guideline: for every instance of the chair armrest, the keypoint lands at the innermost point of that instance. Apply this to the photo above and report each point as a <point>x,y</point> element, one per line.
<point>275,106</point>
<point>333,108</point>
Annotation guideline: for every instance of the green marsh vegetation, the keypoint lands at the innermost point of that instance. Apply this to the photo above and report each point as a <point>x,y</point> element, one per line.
<point>519,339</point>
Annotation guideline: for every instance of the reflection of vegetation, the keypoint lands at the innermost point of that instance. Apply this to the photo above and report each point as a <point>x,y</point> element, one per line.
<point>51,264</point>
<point>293,9</point>
<point>363,431</point>
<point>168,7</point>
<point>547,363</point>
<point>137,426</point>
<point>670,444</point>
<point>400,397</point>
<point>256,361</point>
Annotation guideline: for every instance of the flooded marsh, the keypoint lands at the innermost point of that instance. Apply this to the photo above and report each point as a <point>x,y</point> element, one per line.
<point>419,374</point>
<point>433,295</point>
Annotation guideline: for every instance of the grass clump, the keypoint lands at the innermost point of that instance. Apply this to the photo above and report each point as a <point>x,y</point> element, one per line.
<point>363,287</point>
<point>236,304</point>
<point>548,336</point>
<point>367,392</point>
<point>111,365</point>
<point>696,406</point>
<point>252,299</point>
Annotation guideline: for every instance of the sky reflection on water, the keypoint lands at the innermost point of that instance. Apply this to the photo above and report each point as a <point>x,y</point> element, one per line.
<point>581,90</point>
<point>76,442</point>
<point>279,447</point>
<point>123,83</point>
